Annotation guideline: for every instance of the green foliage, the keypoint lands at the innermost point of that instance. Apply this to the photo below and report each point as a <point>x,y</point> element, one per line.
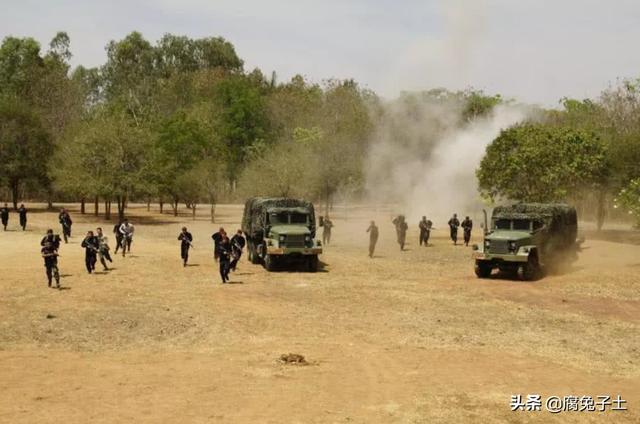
<point>25,147</point>
<point>629,199</point>
<point>243,119</point>
<point>537,163</point>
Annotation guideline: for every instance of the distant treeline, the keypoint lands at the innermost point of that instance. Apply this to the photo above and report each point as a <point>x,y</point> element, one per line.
<point>181,122</point>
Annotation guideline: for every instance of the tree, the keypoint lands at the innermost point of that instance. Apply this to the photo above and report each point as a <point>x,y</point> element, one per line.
<point>243,119</point>
<point>629,198</point>
<point>537,163</point>
<point>181,143</point>
<point>25,147</point>
<point>106,157</point>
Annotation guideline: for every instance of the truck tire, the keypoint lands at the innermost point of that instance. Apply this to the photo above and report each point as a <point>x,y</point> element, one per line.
<point>269,263</point>
<point>530,270</point>
<point>483,269</point>
<point>312,263</point>
<point>253,256</point>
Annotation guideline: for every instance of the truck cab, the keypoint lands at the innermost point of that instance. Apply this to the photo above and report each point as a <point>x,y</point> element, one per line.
<point>281,230</point>
<point>524,238</point>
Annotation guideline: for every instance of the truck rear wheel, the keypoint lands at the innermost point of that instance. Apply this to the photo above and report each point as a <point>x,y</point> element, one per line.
<point>312,263</point>
<point>483,269</point>
<point>269,262</point>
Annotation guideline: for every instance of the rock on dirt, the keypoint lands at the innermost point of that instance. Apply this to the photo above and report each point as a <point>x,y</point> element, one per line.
<point>293,359</point>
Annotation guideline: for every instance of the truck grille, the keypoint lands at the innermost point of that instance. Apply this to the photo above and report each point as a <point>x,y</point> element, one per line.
<point>499,246</point>
<point>294,240</point>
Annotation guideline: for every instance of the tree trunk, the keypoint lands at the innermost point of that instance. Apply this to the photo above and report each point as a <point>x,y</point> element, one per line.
<point>161,206</point>
<point>96,206</point>
<point>15,184</point>
<point>213,212</point>
<point>82,205</point>
<point>107,209</point>
<point>602,210</point>
<point>148,205</point>
<point>120,200</point>
<point>174,205</point>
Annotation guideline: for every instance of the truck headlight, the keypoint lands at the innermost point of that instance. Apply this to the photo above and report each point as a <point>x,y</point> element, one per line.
<point>512,246</point>
<point>282,238</point>
<point>487,245</point>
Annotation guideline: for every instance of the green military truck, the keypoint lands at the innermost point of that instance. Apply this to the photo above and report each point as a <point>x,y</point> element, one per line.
<point>526,238</point>
<point>281,230</point>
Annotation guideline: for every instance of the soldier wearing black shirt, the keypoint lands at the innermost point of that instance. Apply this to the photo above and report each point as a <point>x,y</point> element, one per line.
<point>237,244</point>
<point>49,253</point>
<point>224,256</point>
<point>22,212</point>
<point>91,246</point>
<point>217,237</point>
<point>453,228</point>
<point>186,239</point>
<point>467,226</point>
<point>4,216</point>
<point>65,220</point>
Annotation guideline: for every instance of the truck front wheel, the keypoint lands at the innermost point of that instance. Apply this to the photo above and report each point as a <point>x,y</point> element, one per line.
<point>312,263</point>
<point>269,262</point>
<point>530,270</point>
<point>483,269</point>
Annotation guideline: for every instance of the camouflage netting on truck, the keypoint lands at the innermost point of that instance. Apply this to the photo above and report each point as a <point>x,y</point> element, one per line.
<point>253,219</point>
<point>542,211</point>
<point>560,218</point>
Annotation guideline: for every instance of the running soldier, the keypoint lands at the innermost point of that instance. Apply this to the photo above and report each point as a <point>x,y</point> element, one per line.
<point>91,247</point>
<point>224,252</point>
<point>118,236</point>
<point>467,226</point>
<point>65,220</point>
<point>22,212</point>
<point>51,238</point>
<point>425,230</point>
<point>373,237</point>
<point>4,216</point>
<point>401,230</point>
<point>49,253</point>
<point>103,249</point>
<point>217,238</point>
<point>453,228</point>
<point>237,244</point>
<point>126,230</point>
<point>326,230</point>
<point>186,239</point>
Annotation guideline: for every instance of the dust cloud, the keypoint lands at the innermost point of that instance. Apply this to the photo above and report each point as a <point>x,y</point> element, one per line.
<point>423,158</point>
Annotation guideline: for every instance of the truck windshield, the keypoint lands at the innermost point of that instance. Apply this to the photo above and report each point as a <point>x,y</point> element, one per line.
<point>276,218</point>
<point>299,218</point>
<point>502,224</point>
<point>522,224</point>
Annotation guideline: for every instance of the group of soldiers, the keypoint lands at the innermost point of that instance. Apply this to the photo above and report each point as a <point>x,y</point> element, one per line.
<point>425,226</point>
<point>95,244</point>
<point>226,251</point>
<point>22,214</point>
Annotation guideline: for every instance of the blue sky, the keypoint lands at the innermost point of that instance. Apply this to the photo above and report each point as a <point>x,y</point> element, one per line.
<point>534,50</point>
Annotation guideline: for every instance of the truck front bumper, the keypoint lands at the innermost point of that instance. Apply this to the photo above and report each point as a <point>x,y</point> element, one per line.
<point>494,257</point>
<point>272,250</point>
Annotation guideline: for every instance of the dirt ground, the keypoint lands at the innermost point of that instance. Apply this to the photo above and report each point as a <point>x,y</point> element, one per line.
<point>408,337</point>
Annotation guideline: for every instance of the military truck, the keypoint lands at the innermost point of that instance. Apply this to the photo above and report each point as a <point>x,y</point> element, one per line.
<point>281,230</point>
<point>525,238</point>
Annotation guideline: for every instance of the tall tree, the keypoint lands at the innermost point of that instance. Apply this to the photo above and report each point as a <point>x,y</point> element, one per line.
<point>25,147</point>
<point>538,163</point>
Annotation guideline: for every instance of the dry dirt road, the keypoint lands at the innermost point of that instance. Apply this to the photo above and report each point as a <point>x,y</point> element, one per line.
<point>407,337</point>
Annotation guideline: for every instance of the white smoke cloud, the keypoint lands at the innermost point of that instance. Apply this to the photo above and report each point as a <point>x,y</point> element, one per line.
<point>423,161</point>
